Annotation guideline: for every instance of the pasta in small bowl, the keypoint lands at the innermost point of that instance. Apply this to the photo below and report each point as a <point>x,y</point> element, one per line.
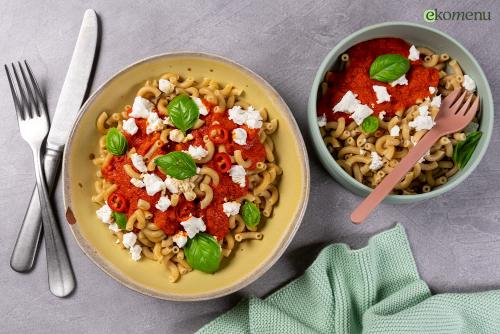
<point>176,175</point>
<point>377,94</point>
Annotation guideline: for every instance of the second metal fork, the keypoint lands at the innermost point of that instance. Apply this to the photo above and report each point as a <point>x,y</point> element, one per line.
<point>34,125</point>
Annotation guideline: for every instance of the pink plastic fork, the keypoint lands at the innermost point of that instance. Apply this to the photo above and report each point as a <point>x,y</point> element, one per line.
<point>455,113</point>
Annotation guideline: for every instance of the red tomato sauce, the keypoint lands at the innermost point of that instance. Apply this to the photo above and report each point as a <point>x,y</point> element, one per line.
<point>215,219</point>
<point>356,78</point>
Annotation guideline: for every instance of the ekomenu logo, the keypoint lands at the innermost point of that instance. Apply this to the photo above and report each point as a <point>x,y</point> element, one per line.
<point>433,15</point>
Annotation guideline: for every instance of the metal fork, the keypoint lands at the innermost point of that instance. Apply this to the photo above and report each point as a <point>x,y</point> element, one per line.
<point>33,122</point>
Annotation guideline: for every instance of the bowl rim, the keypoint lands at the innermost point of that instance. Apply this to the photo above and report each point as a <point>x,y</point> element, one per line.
<point>285,239</point>
<point>348,181</point>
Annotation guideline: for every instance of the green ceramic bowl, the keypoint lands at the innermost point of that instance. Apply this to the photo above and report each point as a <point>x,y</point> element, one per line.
<point>419,35</point>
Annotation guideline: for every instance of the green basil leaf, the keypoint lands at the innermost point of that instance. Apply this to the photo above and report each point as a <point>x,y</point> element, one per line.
<point>116,143</point>
<point>370,124</point>
<point>464,149</point>
<point>183,112</point>
<point>251,214</point>
<point>178,165</point>
<point>390,67</point>
<point>203,253</point>
<point>120,219</point>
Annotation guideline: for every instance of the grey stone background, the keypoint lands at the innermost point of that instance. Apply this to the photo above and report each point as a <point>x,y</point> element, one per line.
<point>455,238</point>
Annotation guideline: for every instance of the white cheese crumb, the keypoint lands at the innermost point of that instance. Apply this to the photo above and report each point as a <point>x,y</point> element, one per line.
<point>172,185</point>
<point>168,122</point>
<point>347,103</point>
<point>432,90</point>
<point>238,174</point>
<point>137,183</point>
<point>135,252</point>
<point>163,204</point>
<point>193,225</point>
<point>361,112</point>
<point>153,184</point>
<point>180,239</point>
<point>176,135</point>
<point>166,86</point>
<point>231,208</point>
<point>154,123</point>
<point>395,131</point>
<point>469,83</point>
<point>237,115</point>
<point>322,121</point>
<point>114,227</point>
<point>141,108</point>
<point>104,213</point>
<point>138,162</point>
<point>376,162</point>
<point>129,239</point>
<point>381,115</point>
<point>401,81</point>
<point>414,53</point>
<point>130,127</point>
<point>201,107</point>
<point>423,121</point>
<point>250,117</point>
<point>382,94</point>
<point>436,101</point>
<point>239,136</point>
<point>197,152</point>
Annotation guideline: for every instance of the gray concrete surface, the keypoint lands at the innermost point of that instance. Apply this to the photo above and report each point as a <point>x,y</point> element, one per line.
<point>455,238</point>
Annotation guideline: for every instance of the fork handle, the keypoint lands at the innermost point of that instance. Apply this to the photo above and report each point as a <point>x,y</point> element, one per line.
<point>392,179</point>
<point>61,278</point>
<point>28,239</point>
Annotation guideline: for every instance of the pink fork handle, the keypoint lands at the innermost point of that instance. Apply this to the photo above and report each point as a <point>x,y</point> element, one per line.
<point>393,178</point>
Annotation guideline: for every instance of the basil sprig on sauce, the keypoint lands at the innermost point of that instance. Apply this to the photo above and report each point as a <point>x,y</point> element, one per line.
<point>120,219</point>
<point>203,253</point>
<point>389,67</point>
<point>250,214</point>
<point>116,143</point>
<point>464,149</point>
<point>178,165</point>
<point>183,112</point>
<point>370,124</point>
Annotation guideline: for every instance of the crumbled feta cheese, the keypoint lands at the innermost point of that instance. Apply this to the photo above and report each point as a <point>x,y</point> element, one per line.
<point>239,136</point>
<point>153,184</point>
<point>180,239</point>
<point>382,94</point>
<point>432,90</point>
<point>137,183</point>
<point>469,83</point>
<point>347,103</point>
<point>361,112</point>
<point>322,121</point>
<point>376,162</point>
<point>401,81</point>
<point>163,203</point>
<point>168,122</point>
<point>250,117</point>
<point>130,127</point>
<point>231,208</point>
<point>423,121</point>
<point>395,131</point>
<point>193,225</point>
<point>129,239</point>
<point>381,115</point>
<point>185,187</point>
<point>201,106</point>
<point>197,152</point>
<point>166,86</point>
<point>436,101</point>
<point>172,185</point>
<point>238,174</point>
<point>237,115</point>
<point>423,110</point>
<point>414,53</point>
<point>141,108</point>
<point>154,123</point>
<point>176,135</point>
<point>135,252</point>
<point>114,227</point>
<point>104,213</point>
<point>138,162</point>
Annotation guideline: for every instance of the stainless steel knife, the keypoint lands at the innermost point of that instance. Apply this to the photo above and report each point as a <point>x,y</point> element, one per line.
<point>68,105</point>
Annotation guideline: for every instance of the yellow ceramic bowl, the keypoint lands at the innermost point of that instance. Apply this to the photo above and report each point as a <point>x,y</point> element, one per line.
<point>251,259</point>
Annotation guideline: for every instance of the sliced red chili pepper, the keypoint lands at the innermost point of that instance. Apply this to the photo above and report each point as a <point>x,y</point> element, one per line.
<point>184,210</point>
<point>117,202</point>
<point>218,134</point>
<point>222,162</point>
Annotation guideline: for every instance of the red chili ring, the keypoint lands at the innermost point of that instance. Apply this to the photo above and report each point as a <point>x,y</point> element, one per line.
<point>218,134</point>
<point>117,202</point>
<point>222,162</point>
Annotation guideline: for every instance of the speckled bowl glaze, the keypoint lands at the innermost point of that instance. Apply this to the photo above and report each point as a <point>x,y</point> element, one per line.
<point>419,35</point>
<point>250,259</point>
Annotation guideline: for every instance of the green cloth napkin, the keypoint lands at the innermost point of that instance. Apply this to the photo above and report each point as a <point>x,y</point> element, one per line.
<point>372,290</point>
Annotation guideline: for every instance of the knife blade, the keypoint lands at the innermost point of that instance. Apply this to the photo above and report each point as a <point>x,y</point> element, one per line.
<point>69,103</point>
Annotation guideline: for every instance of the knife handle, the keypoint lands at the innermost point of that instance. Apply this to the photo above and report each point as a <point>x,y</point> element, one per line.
<point>23,255</point>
